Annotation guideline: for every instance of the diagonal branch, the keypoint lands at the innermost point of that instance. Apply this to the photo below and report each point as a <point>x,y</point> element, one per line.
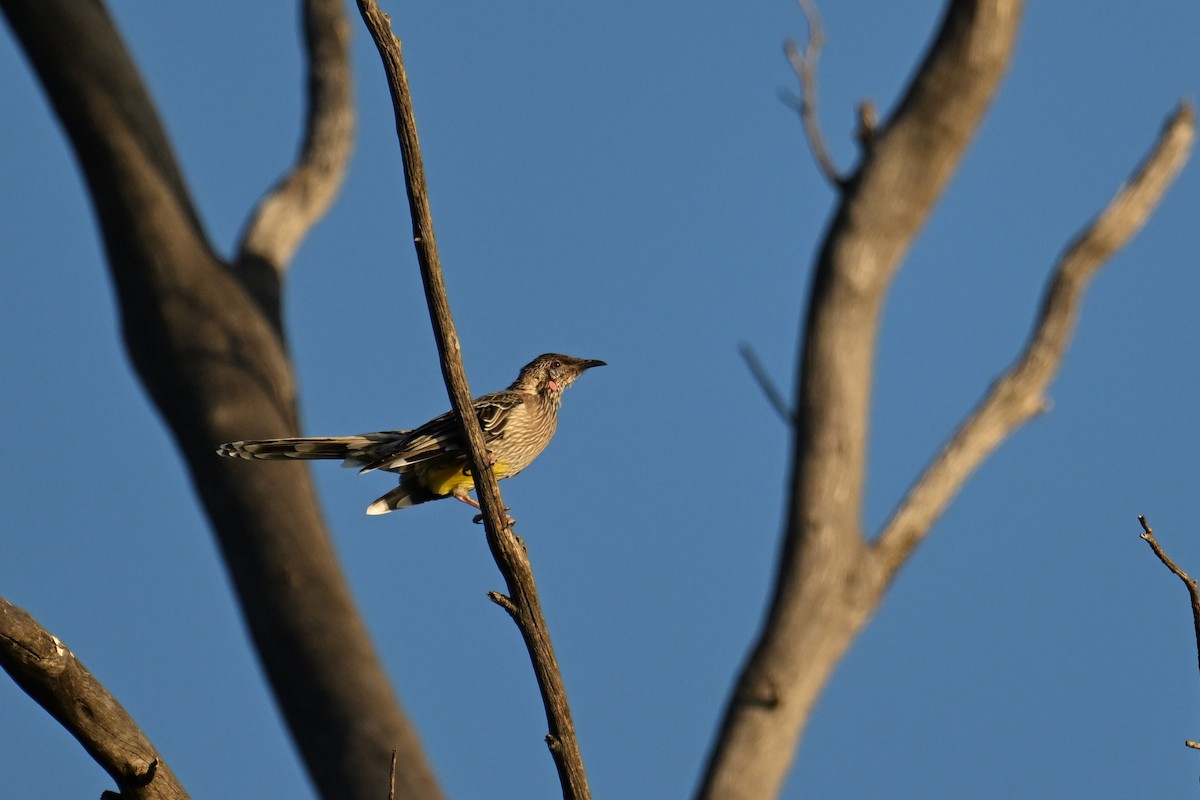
<point>288,211</point>
<point>1177,571</point>
<point>522,601</point>
<point>49,673</point>
<point>769,389</point>
<point>1020,393</point>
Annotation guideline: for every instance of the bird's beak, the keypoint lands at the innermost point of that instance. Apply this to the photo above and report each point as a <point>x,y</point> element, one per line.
<point>592,363</point>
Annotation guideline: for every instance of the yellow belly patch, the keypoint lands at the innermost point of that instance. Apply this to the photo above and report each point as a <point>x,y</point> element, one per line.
<point>455,477</point>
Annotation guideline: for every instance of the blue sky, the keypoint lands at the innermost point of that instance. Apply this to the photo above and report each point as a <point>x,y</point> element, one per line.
<point>622,182</point>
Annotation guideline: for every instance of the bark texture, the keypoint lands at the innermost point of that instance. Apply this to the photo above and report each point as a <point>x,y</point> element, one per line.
<point>41,664</point>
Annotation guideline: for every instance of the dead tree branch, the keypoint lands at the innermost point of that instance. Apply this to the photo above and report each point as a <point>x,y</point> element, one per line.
<point>769,389</point>
<point>1019,395</point>
<point>804,63</point>
<point>214,362</point>
<point>830,580</point>
<point>1188,581</point>
<point>288,211</point>
<point>509,552</point>
<point>48,672</point>
<point>823,548</point>
<point>824,591</point>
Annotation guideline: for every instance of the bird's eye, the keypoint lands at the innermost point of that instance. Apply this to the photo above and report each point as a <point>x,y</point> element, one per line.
<point>555,364</point>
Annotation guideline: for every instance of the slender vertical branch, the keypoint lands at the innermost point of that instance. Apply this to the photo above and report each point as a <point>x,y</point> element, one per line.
<point>522,601</point>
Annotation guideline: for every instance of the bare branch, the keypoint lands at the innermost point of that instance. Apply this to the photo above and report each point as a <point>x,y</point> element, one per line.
<point>804,63</point>
<point>763,378</point>
<point>509,553</point>
<point>217,369</point>
<point>1188,581</point>
<point>42,665</point>
<point>824,590</point>
<point>504,602</point>
<point>1020,393</point>
<point>287,212</point>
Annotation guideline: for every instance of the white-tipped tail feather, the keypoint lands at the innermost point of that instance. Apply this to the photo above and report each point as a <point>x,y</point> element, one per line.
<point>400,497</point>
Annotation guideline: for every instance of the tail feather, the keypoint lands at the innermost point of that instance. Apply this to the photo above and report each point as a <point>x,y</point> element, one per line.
<point>352,449</point>
<point>405,495</point>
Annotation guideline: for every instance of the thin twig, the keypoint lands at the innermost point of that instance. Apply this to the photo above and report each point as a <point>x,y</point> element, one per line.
<point>511,557</point>
<point>1019,394</point>
<point>763,378</point>
<point>804,63</point>
<point>1188,580</point>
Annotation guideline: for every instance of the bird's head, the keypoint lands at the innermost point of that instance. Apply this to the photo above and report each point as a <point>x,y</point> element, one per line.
<point>552,372</point>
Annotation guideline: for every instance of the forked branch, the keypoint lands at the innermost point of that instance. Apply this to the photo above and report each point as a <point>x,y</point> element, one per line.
<point>1019,394</point>
<point>804,64</point>
<point>49,673</point>
<point>522,601</point>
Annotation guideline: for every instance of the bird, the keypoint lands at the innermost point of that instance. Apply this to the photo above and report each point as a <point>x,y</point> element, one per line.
<point>431,460</point>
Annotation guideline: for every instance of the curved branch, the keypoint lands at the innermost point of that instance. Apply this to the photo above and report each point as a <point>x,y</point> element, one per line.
<point>48,672</point>
<point>288,211</point>
<point>522,602</point>
<point>214,362</point>
<point>1019,394</point>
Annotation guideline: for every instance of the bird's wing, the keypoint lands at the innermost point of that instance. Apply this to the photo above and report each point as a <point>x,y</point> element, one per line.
<point>439,436</point>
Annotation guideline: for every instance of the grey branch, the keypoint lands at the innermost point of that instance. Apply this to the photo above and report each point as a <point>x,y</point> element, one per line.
<point>208,349</point>
<point>511,559</point>
<point>288,211</point>
<point>1019,394</point>
<point>48,672</point>
<point>804,63</point>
